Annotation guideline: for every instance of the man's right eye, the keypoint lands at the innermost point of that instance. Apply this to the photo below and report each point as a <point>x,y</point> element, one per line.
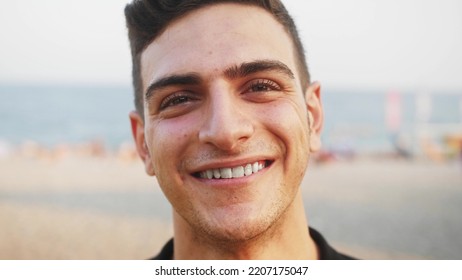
<point>175,99</point>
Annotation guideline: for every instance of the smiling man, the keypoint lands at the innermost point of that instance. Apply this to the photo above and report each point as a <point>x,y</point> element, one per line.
<point>226,119</point>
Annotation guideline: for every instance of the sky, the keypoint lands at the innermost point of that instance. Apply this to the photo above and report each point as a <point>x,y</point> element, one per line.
<point>357,44</point>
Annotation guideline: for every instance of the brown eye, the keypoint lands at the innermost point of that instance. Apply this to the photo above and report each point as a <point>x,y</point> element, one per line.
<point>175,99</point>
<point>262,85</point>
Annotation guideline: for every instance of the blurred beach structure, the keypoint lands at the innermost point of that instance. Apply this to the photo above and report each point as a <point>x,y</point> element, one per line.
<point>387,184</point>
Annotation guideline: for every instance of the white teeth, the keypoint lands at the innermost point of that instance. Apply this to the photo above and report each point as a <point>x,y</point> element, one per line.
<point>238,172</point>
<point>226,173</point>
<point>209,174</point>
<point>255,167</point>
<point>248,170</point>
<point>234,172</point>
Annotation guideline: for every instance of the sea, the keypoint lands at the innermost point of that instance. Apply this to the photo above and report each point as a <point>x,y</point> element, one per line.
<point>354,121</point>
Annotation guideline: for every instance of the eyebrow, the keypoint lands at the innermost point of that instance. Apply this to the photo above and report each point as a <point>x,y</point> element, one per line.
<point>173,80</point>
<point>249,68</point>
<point>233,72</point>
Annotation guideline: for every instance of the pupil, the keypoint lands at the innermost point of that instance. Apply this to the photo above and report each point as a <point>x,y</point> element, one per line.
<point>179,100</point>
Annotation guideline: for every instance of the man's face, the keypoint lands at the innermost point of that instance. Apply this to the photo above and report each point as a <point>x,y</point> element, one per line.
<point>226,122</point>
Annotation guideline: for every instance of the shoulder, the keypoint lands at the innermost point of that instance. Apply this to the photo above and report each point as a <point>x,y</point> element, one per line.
<point>166,253</point>
<point>326,252</point>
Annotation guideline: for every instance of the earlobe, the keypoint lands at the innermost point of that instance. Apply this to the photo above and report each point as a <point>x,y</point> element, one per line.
<point>315,115</point>
<point>137,124</point>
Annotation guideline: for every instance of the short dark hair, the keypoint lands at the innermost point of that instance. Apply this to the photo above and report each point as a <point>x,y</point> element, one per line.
<point>147,19</point>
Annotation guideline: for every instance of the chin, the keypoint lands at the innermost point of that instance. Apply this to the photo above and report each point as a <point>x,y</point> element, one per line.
<point>240,227</point>
<point>236,233</point>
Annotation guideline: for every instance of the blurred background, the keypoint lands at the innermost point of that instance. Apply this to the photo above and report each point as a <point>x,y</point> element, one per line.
<point>387,184</point>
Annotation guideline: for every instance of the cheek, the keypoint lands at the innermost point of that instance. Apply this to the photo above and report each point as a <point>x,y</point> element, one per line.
<point>169,138</point>
<point>289,124</point>
<point>288,120</point>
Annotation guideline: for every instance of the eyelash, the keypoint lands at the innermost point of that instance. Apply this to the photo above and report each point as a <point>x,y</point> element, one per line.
<point>264,84</point>
<point>174,99</point>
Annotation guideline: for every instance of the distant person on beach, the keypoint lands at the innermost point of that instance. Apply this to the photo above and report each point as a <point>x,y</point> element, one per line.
<point>226,119</point>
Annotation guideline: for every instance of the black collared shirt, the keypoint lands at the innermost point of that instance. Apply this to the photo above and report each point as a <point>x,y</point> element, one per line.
<point>326,252</point>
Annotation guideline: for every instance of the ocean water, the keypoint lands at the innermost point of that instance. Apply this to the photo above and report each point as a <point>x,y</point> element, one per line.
<point>59,114</point>
<point>356,121</point>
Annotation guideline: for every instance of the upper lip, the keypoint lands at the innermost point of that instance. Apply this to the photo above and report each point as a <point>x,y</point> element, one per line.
<point>225,163</point>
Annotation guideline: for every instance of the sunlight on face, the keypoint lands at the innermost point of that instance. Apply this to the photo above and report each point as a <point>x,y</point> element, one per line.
<point>224,100</point>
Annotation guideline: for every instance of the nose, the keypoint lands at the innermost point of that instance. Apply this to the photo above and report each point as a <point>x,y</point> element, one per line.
<point>226,124</point>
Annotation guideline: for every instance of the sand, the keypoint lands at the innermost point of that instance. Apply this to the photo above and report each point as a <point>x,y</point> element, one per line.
<point>107,208</point>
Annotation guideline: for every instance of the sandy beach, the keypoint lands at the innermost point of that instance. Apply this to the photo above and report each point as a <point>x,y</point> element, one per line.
<point>106,208</point>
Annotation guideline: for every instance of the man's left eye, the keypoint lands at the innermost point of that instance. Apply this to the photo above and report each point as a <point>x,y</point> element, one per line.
<point>263,85</point>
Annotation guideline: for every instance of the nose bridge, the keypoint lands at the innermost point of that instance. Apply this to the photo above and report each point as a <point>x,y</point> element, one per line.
<point>225,124</point>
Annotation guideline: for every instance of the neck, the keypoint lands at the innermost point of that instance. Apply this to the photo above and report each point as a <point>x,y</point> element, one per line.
<point>287,238</point>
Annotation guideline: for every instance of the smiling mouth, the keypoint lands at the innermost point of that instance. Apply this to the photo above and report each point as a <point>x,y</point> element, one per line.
<point>233,172</point>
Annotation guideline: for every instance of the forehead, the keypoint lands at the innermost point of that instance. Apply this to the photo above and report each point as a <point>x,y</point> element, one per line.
<point>214,38</point>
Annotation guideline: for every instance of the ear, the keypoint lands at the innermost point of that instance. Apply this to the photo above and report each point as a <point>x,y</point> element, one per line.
<point>315,115</point>
<point>137,124</point>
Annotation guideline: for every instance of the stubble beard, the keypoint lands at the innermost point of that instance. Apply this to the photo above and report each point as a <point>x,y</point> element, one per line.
<point>243,231</point>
